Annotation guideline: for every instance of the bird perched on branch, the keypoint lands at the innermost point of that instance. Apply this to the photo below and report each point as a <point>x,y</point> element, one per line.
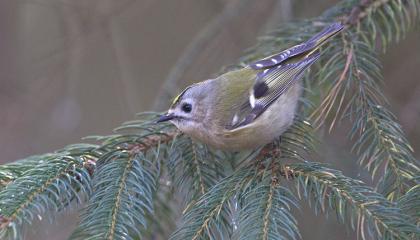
<point>249,107</point>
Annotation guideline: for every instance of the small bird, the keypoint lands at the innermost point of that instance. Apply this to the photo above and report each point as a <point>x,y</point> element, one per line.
<point>249,107</point>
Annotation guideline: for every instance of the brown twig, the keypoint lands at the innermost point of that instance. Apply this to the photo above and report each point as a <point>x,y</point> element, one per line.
<point>152,141</point>
<point>4,182</point>
<point>4,222</point>
<point>325,107</point>
<point>362,10</point>
<point>272,150</point>
<point>89,164</point>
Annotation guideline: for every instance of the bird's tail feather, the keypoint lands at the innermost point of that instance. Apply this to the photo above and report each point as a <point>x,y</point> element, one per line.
<point>320,38</point>
<point>307,48</point>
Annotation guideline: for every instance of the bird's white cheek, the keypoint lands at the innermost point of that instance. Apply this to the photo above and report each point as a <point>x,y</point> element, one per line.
<point>188,128</point>
<point>176,123</point>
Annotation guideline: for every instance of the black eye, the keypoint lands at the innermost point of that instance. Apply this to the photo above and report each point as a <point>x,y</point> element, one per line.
<point>186,107</point>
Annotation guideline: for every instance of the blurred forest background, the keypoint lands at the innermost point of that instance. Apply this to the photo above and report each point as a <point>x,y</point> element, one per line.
<point>72,68</point>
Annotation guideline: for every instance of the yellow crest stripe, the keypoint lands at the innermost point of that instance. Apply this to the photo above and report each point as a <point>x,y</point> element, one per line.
<point>177,98</point>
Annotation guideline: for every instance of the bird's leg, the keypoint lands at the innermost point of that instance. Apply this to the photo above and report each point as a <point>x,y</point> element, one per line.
<point>285,170</point>
<point>264,153</point>
<point>276,152</point>
<point>272,149</point>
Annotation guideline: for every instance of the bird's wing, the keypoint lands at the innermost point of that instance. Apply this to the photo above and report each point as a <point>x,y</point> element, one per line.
<point>277,73</point>
<point>270,85</point>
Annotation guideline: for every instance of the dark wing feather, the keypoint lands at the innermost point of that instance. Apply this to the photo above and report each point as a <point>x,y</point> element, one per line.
<point>282,77</point>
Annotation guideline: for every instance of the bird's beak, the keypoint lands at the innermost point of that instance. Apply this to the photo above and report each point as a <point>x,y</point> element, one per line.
<point>166,117</point>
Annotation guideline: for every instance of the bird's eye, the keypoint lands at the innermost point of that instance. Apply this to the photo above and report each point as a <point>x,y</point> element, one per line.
<point>186,107</point>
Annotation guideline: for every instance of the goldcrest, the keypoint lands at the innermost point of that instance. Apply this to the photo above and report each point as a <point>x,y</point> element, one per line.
<point>249,107</point>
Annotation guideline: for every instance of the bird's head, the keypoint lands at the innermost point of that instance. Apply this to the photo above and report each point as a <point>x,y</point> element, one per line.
<point>188,109</point>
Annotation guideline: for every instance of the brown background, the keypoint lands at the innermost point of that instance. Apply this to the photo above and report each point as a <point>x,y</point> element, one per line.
<point>71,68</point>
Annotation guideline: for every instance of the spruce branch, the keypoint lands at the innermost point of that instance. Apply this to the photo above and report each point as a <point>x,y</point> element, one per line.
<point>209,216</point>
<point>11,171</point>
<point>356,204</point>
<point>195,166</point>
<point>381,141</point>
<point>229,209</point>
<point>354,59</point>
<point>120,200</point>
<point>52,184</point>
<point>366,210</point>
<point>410,203</point>
<point>124,183</point>
<point>162,221</point>
<point>264,211</point>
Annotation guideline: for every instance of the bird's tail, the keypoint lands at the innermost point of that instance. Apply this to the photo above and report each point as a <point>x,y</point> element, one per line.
<point>320,38</point>
<point>299,51</point>
<point>325,34</point>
